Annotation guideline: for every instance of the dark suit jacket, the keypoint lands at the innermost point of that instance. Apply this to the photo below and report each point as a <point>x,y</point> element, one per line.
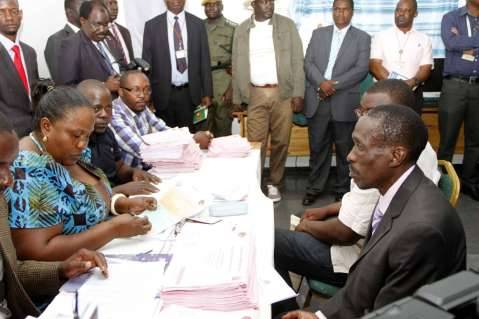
<point>156,52</point>
<point>125,33</point>
<point>420,240</point>
<point>350,68</point>
<point>14,100</point>
<point>24,278</point>
<point>80,60</point>
<point>52,50</point>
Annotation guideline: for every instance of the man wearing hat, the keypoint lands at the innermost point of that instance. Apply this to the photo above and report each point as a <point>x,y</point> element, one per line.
<point>220,40</point>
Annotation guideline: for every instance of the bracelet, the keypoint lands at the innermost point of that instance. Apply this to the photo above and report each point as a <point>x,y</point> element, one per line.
<point>113,202</point>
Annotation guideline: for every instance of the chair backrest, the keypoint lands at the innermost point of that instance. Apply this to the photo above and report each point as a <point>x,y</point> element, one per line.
<point>449,182</point>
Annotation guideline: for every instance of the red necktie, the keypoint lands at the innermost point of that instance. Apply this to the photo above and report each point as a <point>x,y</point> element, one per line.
<point>17,60</point>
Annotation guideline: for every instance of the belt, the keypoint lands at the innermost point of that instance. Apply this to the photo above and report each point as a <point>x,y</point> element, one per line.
<point>465,79</point>
<point>179,87</point>
<point>266,86</point>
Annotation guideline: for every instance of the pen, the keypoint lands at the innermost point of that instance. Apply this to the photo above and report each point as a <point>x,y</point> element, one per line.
<point>76,315</point>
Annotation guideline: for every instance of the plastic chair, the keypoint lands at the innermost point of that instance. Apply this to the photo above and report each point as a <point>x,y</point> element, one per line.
<point>449,182</point>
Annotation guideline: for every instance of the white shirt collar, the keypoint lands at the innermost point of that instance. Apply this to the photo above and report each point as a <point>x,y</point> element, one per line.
<point>343,31</point>
<point>171,16</point>
<point>412,30</point>
<point>73,27</point>
<point>7,43</point>
<point>385,200</point>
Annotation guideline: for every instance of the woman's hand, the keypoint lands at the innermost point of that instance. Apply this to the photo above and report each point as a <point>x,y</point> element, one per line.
<point>138,205</point>
<point>127,225</point>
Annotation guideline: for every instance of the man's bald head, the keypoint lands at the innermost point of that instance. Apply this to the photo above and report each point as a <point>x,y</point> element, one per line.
<point>99,96</point>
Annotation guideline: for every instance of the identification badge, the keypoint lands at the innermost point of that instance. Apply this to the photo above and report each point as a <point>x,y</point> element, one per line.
<point>468,57</point>
<point>180,54</point>
<point>200,114</point>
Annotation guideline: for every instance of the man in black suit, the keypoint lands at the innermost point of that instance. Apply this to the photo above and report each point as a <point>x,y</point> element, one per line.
<point>86,55</point>
<point>415,237</point>
<point>175,43</point>
<point>72,12</point>
<point>19,70</point>
<point>119,39</point>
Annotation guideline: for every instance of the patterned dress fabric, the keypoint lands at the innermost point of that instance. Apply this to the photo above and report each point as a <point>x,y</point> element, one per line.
<point>44,195</point>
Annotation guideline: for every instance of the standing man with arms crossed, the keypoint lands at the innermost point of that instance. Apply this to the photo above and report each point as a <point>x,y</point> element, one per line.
<point>459,102</point>
<point>19,70</point>
<point>402,52</point>
<point>268,75</point>
<point>220,38</point>
<point>176,46</point>
<point>336,62</point>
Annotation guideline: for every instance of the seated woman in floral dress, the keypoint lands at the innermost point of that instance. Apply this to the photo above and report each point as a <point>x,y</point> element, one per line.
<point>59,202</point>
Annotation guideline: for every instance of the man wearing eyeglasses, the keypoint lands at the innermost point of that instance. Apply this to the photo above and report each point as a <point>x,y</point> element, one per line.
<point>328,240</point>
<point>132,118</point>
<point>86,55</point>
<point>18,65</point>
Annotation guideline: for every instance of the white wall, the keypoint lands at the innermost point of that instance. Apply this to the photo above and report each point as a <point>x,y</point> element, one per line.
<point>41,18</point>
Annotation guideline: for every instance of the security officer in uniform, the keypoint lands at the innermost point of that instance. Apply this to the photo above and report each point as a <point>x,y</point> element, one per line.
<point>220,39</point>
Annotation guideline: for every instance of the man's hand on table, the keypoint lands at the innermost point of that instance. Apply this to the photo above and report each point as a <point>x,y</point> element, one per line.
<point>140,175</point>
<point>298,314</point>
<point>81,262</point>
<point>203,138</point>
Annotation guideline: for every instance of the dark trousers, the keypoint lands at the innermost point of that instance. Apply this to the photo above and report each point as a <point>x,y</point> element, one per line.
<point>459,103</point>
<point>179,112</point>
<point>323,131</point>
<point>303,254</point>
<point>418,94</point>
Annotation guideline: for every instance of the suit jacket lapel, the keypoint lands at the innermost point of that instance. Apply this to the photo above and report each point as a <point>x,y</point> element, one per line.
<point>9,70</point>
<point>327,46</point>
<point>394,210</point>
<point>348,39</point>
<point>94,53</point>
<point>189,30</point>
<point>162,39</point>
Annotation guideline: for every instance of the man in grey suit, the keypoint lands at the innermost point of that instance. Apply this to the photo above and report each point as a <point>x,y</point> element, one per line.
<point>72,12</point>
<point>19,70</point>
<point>415,237</point>
<point>336,62</point>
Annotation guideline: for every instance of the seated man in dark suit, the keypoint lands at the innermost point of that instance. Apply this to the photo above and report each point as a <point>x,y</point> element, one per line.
<point>22,281</point>
<point>106,153</point>
<point>86,55</point>
<point>52,50</point>
<point>119,39</point>
<point>18,69</point>
<point>415,237</point>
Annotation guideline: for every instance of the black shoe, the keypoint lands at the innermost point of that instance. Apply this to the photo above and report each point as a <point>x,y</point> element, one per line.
<point>309,199</point>
<point>338,196</point>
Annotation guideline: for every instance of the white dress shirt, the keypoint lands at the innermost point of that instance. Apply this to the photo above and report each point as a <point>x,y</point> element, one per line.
<point>262,55</point>
<point>177,78</point>
<point>73,27</point>
<point>336,42</point>
<point>103,49</point>
<point>8,45</point>
<point>401,52</point>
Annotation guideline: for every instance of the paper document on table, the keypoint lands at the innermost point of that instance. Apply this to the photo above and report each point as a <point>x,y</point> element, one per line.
<point>178,312</point>
<point>274,288</point>
<point>214,272</point>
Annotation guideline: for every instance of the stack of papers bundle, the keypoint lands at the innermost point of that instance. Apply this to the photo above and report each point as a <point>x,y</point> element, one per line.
<point>229,146</point>
<point>215,272</point>
<point>172,150</point>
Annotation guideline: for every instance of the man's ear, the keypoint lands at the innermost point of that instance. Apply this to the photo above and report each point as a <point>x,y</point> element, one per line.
<point>83,21</point>
<point>399,156</point>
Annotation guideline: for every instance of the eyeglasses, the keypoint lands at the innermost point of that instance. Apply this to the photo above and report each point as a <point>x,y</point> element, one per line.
<point>97,27</point>
<point>138,91</point>
<point>360,111</point>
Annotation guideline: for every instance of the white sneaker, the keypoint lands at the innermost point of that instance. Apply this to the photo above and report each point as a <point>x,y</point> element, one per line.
<point>273,193</point>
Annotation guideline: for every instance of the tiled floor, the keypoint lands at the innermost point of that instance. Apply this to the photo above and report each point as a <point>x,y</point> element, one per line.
<point>294,188</point>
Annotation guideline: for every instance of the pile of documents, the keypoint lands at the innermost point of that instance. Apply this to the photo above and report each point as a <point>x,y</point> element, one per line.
<point>172,150</point>
<point>229,146</point>
<point>212,270</point>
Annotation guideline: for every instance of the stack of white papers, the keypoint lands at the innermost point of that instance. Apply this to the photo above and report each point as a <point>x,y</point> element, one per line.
<point>172,150</point>
<point>216,271</point>
<point>229,146</point>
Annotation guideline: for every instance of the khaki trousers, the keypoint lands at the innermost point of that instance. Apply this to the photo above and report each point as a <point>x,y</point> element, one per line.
<point>268,116</point>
